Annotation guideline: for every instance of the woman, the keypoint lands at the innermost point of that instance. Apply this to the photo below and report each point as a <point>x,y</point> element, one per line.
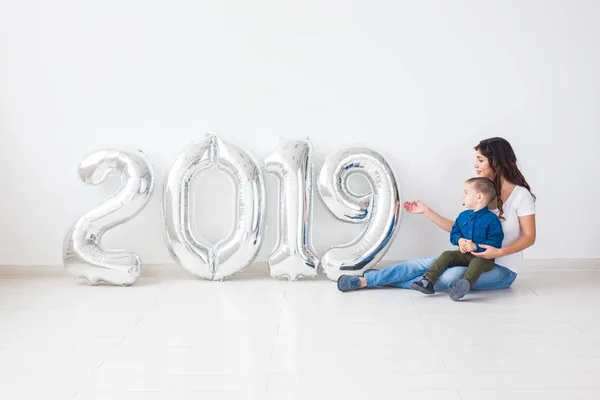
<point>494,159</point>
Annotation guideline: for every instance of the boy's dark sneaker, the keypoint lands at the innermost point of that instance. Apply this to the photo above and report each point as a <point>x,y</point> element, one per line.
<point>423,286</point>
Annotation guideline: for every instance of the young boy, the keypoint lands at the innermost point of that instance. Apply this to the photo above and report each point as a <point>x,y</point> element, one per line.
<point>473,227</point>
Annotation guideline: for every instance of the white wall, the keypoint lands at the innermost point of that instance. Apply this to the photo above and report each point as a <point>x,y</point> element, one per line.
<point>419,81</point>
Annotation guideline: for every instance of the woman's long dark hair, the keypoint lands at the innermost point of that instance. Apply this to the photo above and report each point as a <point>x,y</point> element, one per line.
<point>503,162</point>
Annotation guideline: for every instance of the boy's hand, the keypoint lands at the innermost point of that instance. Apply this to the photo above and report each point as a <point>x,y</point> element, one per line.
<point>462,245</point>
<point>470,246</point>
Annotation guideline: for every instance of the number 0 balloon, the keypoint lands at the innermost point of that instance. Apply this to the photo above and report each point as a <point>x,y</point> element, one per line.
<point>233,253</point>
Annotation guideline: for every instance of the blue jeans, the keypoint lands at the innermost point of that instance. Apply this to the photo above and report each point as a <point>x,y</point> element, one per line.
<point>403,274</point>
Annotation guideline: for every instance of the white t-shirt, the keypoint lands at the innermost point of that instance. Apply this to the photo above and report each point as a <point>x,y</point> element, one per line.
<point>519,203</point>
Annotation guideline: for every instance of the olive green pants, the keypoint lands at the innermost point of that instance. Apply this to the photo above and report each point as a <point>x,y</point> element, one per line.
<point>477,266</point>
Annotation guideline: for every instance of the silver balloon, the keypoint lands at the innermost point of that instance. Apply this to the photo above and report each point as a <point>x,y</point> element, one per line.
<point>294,256</point>
<point>379,210</point>
<point>83,254</point>
<point>233,253</point>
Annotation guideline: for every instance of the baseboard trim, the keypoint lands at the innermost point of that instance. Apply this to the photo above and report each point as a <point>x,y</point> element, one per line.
<point>262,268</point>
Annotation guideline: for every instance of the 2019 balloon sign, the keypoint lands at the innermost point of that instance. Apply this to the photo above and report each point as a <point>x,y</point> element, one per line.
<point>293,256</point>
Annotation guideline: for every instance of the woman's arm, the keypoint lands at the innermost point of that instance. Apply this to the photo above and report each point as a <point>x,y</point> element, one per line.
<point>418,207</point>
<point>442,222</point>
<point>527,223</point>
<point>526,240</point>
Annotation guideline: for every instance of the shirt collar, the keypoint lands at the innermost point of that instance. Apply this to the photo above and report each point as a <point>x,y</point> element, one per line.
<point>482,211</point>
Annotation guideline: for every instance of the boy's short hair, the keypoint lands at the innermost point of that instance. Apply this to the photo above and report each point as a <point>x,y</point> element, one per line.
<point>485,186</point>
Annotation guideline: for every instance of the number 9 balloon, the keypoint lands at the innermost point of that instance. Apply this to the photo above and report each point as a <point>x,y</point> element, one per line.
<point>379,210</point>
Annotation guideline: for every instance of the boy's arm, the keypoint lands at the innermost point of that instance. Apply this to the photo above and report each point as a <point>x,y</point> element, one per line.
<point>455,233</point>
<point>494,235</point>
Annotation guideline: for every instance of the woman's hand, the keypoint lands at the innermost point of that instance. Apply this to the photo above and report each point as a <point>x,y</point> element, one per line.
<point>415,207</point>
<point>489,253</point>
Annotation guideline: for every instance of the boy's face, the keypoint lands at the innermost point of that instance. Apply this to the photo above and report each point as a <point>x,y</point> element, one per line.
<point>471,198</point>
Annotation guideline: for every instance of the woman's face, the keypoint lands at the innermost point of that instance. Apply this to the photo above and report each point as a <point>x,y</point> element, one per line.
<point>482,166</point>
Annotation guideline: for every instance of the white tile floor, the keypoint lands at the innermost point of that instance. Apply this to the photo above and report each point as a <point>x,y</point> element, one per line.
<point>175,337</point>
